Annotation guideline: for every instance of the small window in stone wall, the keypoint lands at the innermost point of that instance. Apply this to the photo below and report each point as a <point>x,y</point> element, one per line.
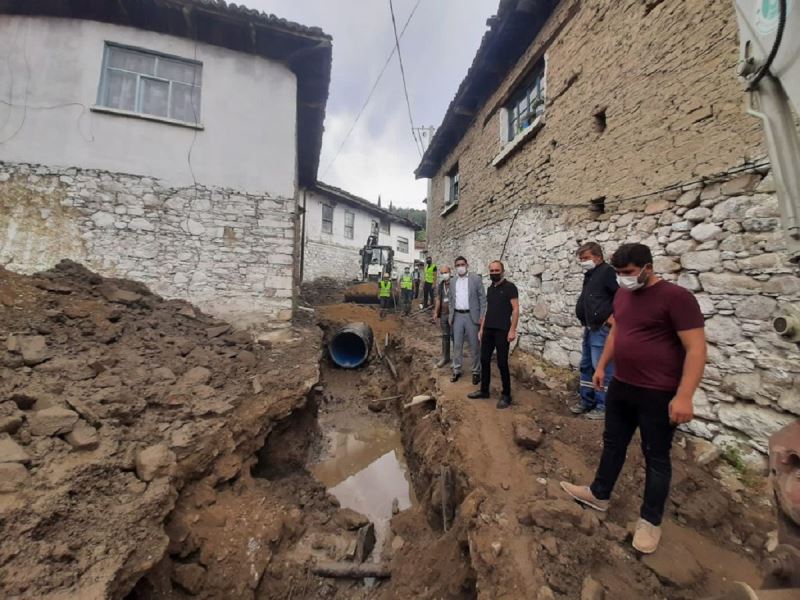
<point>327,219</point>
<point>452,188</point>
<point>527,102</point>
<point>349,224</point>
<point>402,245</point>
<point>149,83</point>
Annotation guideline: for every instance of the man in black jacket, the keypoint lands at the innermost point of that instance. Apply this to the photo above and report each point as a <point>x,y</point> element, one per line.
<point>594,307</point>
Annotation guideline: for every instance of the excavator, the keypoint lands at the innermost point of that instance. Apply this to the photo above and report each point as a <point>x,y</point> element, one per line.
<point>375,261</point>
<point>769,66</point>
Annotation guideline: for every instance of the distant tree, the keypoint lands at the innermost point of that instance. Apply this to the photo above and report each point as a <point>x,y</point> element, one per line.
<point>415,215</point>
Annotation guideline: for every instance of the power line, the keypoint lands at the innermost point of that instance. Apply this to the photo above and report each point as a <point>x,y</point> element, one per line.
<point>403,76</point>
<point>371,91</point>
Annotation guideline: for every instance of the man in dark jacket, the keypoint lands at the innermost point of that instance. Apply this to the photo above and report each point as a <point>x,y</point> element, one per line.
<point>594,307</point>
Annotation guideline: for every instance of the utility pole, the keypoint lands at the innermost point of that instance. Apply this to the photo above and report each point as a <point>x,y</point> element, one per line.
<point>425,135</point>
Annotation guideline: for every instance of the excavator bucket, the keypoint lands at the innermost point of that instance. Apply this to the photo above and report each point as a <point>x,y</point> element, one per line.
<point>362,293</point>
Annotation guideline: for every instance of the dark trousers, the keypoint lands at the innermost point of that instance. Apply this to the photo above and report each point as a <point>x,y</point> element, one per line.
<point>416,289</point>
<point>495,339</point>
<point>628,407</point>
<point>447,336</point>
<point>427,294</point>
<point>406,296</point>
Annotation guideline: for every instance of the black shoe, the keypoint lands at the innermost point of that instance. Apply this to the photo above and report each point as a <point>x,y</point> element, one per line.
<point>455,377</point>
<point>476,379</point>
<point>477,394</point>
<point>504,402</point>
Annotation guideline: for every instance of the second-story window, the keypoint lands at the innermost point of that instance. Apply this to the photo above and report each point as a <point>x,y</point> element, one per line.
<point>452,187</point>
<point>327,219</point>
<point>149,83</point>
<point>527,102</point>
<point>349,224</point>
<point>402,245</point>
<point>386,226</point>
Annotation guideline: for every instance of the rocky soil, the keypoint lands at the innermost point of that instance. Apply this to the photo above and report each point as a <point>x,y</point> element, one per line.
<point>115,403</point>
<point>148,451</point>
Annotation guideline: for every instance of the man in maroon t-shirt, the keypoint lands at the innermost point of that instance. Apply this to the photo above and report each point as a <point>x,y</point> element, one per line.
<point>658,346</point>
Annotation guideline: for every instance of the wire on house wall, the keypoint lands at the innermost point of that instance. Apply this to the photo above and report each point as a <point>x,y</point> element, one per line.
<point>371,91</point>
<point>11,87</point>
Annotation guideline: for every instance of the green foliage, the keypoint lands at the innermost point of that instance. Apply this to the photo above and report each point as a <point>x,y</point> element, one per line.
<point>415,215</point>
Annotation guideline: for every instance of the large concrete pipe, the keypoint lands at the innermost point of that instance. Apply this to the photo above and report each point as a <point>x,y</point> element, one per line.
<point>350,346</point>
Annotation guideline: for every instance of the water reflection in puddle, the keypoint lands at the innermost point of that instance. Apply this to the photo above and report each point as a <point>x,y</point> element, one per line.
<point>366,470</point>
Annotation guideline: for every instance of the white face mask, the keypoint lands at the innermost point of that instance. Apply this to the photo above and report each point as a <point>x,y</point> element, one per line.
<point>587,265</point>
<point>631,282</point>
<point>461,270</point>
<point>445,276</point>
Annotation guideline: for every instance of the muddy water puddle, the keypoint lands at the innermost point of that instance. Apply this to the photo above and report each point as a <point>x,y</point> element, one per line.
<point>364,468</point>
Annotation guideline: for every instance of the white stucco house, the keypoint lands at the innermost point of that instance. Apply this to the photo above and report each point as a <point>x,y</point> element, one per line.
<point>336,226</point>
<point>161,140</point>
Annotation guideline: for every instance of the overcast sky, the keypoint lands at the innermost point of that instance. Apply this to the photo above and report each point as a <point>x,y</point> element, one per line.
<point>438,47</point>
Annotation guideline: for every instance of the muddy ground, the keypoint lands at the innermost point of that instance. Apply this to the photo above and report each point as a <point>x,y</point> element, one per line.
<point>186,461</point>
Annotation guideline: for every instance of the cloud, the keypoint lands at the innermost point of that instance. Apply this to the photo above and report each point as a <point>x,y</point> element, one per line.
<point>438,47</point>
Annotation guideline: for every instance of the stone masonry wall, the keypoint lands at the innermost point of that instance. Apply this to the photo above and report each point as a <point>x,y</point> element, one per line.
<point>342,263</point>
<point>665,75</point>
<point>721,240</point>
<point>229,253</point>
<point>330,260</point>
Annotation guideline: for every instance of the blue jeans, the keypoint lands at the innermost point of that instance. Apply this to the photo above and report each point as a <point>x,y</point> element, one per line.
<point>593,342</point>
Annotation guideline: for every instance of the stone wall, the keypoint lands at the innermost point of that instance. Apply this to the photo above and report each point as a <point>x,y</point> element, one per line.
<point>331,260</point>
<point>229,253</point>
<point>342,263</point>
<point>721,240</point>
<point>664,76</point>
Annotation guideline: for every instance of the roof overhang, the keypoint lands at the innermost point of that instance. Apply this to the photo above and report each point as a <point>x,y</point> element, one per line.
<point>511,31</point>
<point>341,195</point>
<point>306,51</point>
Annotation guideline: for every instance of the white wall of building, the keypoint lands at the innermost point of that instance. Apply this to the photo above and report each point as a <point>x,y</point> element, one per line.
<point>50,72</point>
<point>333,254</point>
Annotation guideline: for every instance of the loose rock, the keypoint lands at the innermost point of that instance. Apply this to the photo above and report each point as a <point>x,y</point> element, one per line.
<point>52,421</point>
<point>190,577</point>
<point>155,461</point>
<point>526,433</point>
<point>13,476</point>
<point>11,451</point>
<point>83,437</point>
<point>347,518</point>
<point>591,590</point>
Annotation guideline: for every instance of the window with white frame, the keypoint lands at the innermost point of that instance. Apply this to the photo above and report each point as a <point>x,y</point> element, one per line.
<point>452,185</point>
<point>149,83</point>
<point>402,245</point>
<point>349,224</point>
<point>327,219</point>
<point>527,102</point>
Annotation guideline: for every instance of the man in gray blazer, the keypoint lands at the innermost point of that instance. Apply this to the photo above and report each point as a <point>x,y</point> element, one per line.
<point>467,309</point>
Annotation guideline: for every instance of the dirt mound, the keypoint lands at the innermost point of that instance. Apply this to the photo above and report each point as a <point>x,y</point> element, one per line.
<point>342,314</point>
<point>112,400</point>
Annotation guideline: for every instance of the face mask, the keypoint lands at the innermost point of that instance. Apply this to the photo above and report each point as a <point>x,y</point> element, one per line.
<point>587,265</point>
<point>495,277</point>
<point>445,276</point>
<point>427,262</point>
<point>461,270</point>
<point>632,282</point>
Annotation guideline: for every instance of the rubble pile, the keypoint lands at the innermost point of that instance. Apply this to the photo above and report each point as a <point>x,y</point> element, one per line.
<point>112,400</point>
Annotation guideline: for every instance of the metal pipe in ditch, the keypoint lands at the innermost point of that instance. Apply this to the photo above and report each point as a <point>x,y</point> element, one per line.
<point>350,345</point>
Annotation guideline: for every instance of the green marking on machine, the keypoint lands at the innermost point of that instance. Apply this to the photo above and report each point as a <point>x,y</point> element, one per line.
<point>767,14</point>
